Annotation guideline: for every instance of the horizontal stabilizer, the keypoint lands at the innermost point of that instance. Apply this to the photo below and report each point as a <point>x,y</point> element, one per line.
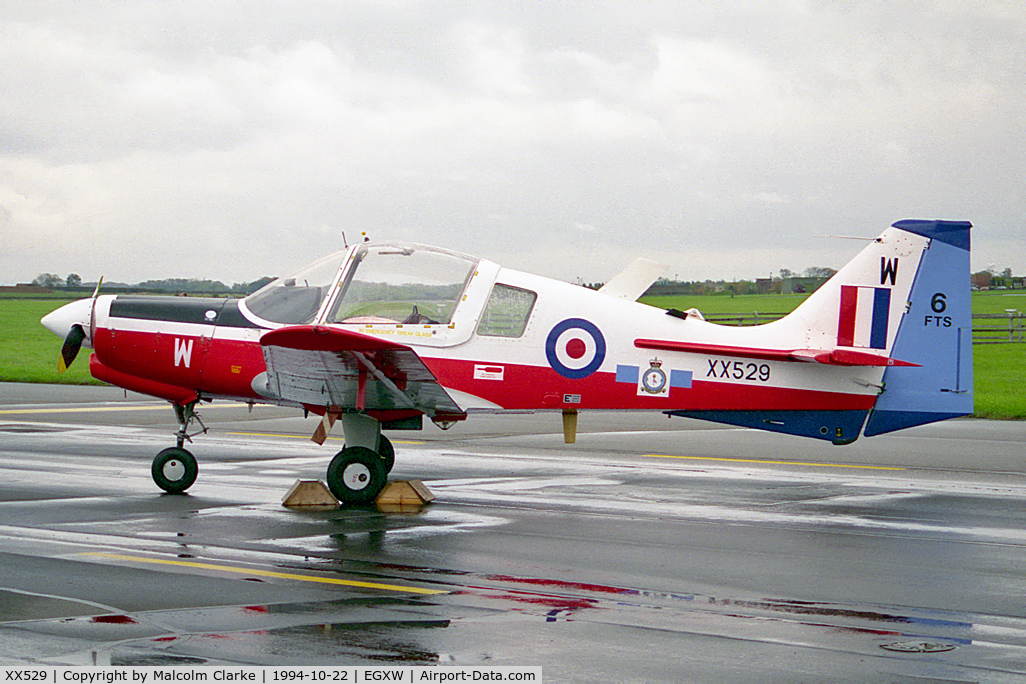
<point>631,282</point>
<point>834,357</point>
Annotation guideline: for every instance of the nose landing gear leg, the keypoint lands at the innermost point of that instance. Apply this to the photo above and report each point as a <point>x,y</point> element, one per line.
<point>175,469</point>
<point>186,414</point>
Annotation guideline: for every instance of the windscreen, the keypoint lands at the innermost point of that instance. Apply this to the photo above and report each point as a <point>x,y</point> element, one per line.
<point>296,299</point>
<point>402,284</point>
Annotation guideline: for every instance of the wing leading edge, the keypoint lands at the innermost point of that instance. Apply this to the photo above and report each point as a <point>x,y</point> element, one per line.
<point>342,369</point>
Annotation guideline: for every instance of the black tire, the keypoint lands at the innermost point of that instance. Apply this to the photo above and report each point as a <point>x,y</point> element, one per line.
<point>356,476</point>
<point>174,470</point>
<point>387,453</point>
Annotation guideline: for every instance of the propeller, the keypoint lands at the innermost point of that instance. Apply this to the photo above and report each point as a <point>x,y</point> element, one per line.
<point>72,343</point>
<point>73,318</point>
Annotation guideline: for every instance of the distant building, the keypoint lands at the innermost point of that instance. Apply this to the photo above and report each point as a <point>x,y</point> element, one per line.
<point>800,285</point>
<point>25,288</point>
<point>982,280</point>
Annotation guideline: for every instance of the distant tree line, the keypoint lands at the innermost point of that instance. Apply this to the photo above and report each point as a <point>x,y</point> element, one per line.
<point>991,279</point>
<point>169,285</point>
<point>667,286</point>
<point>810,272</point>
<point>52,280</point>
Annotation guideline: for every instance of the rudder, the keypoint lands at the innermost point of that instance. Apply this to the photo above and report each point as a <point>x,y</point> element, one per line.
<point>935,333</point>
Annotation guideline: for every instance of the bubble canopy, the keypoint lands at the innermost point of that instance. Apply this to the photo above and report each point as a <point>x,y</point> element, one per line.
<point>406,284</point>
<point>384,283</point>
<point>296,299</point>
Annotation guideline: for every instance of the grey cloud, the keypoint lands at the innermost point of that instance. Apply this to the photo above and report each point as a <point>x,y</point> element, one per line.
<point>503,129</point>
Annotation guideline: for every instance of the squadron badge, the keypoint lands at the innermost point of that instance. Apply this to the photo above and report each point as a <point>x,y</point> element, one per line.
<point>653,380</point>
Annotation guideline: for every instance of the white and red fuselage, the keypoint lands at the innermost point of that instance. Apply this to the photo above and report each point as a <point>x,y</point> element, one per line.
<point>495,339</point>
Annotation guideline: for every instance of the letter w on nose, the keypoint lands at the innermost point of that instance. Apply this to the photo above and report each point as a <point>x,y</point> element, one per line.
<point>183,352</point>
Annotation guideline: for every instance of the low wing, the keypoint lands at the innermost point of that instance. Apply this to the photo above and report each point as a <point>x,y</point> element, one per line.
<point>341,369</point>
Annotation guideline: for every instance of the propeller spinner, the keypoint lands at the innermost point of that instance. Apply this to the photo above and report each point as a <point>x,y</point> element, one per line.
<point>71,322</point>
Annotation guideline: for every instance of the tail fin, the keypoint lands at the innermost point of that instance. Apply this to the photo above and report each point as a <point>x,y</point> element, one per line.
<point>898,316</point>
<point>906,300</point>
<point>935,333</point>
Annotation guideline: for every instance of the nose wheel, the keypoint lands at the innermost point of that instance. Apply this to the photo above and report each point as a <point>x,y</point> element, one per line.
<point>174,470</point>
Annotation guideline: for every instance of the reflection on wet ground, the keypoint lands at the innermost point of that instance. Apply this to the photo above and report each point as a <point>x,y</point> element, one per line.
<point>602,567</point>
<point>473,622</point>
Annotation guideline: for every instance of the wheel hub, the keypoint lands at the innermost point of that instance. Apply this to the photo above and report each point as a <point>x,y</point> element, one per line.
<point>356,476</point>
<point>174,470</point>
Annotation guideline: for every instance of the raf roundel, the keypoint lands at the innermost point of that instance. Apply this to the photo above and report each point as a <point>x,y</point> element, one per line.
<point>575,348</point>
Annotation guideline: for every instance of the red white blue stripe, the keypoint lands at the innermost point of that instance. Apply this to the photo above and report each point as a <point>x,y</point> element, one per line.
<point>865,312</point>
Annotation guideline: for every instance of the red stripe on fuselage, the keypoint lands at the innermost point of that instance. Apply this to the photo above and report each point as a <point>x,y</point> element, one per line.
<point>223,367</point>
<point>533,387</point>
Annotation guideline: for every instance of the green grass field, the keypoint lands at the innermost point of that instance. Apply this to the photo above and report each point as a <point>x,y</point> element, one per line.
<point>28,352</point>
<point>718,304</point>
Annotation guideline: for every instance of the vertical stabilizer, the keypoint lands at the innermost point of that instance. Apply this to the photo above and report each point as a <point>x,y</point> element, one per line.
<point>935,332</point>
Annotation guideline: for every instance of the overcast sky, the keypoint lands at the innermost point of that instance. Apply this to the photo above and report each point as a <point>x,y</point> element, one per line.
<point>234,140</point>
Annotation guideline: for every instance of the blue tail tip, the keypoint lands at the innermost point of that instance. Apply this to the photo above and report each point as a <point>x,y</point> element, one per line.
<point>955,233</point>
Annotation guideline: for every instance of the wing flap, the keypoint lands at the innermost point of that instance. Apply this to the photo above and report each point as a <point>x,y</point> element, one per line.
<point>323,366</point>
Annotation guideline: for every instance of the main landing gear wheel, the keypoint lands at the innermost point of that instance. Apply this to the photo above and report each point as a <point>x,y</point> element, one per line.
<point>387,454</point>
<point>356,475</point>
<point>174,470</point>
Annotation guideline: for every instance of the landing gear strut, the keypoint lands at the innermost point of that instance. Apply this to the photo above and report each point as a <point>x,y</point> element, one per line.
<point>175,469</point>
<point>356,475</point>
<point>186,415</point>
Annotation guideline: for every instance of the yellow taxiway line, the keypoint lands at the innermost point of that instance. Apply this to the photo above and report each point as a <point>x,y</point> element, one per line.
<point>279,434</point>
<point>163,407</point>
<point>265,573</point>
<point>84,409</point>
<point>99,409</point>
<point>276,434</point>
<point>764,462</point>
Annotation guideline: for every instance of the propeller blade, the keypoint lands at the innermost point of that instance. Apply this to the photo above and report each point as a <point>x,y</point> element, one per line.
<point>92,307</point>
<point>72,343</point>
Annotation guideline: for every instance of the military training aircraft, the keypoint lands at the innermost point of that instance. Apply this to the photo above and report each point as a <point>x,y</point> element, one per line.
<point>380,335</point>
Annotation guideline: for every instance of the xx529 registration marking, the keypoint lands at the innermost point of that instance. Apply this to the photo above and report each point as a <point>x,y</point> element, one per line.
<point>738,370</point>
